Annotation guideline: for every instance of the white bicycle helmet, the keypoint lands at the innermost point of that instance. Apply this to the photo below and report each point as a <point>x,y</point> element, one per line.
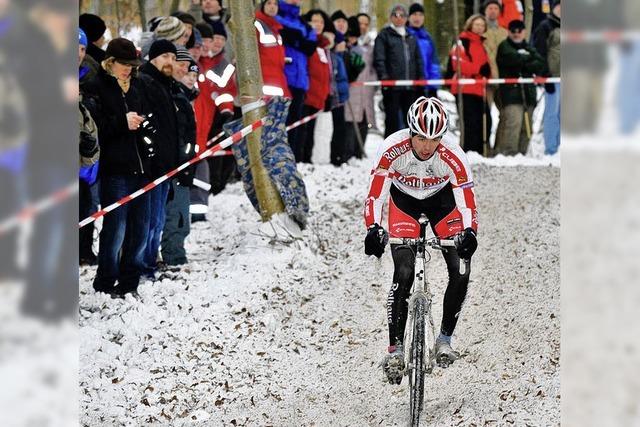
<point>428,117</point>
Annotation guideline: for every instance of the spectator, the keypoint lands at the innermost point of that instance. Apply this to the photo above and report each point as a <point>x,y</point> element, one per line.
<point>547,42</point>
<point>212,12</point>
<point>124,168</point>
<point>88,198</point>
<point>516,58</point>
<point>361,97</point>
<point>474,64</point>
<point>355,114</point>
<point>300,43</point>
<point>208,48</point>
<point>169,28</point>
<point>340,94</point>
<point>319,81</point>
<point>94,27</point>
<point>194,45</point>
<point>511,10</point>
<point>494,35</point>
<point>177,226</point>
<point>271,50</point>
<point>396,56</point>
<point>427,47</point>
<point>155,76</point>
<point>214,107</point>
<point>188,21</point>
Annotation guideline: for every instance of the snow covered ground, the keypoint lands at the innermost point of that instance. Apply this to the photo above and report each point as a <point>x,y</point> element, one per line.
<point>256,333</point>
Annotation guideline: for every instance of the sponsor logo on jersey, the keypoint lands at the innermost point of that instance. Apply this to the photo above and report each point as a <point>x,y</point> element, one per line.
<point>396,150</point>
<point>417,182</point>
<point>451,160</point>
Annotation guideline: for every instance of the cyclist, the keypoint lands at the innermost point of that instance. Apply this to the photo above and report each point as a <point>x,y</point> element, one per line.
<point>425,171</point>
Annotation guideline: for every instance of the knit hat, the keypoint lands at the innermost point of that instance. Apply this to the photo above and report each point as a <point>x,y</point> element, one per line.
<point>416,7</point>
<point>206,32</point>
<point>182,54</point>
<point>170,28</point>
<point>488,2</point>
<point>185,17</point>
<point>82,37</point>
<point>398,7</point>
<point>516,24</point>
<point>218,29</point>
<point>160,47</point>
<point>152,24</point>
<point>338,14</point>
<point>93,26</point>
<point>193,67</point>
<point>123,50</point>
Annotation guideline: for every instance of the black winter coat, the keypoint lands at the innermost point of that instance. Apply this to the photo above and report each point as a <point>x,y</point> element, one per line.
<point>158,95</point>
<point>121,150</point>
<point>182,97</point>
<point>396,57</point>
<point>512,63</point>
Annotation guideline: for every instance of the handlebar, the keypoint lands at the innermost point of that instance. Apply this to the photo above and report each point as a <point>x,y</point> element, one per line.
<point>434,243</point>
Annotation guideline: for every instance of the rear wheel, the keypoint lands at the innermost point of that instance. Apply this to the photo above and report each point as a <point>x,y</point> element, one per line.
<point>416,360</point>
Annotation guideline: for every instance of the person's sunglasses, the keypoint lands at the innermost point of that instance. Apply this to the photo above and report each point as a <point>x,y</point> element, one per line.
<point>400,15</point>
<point>517,31</point>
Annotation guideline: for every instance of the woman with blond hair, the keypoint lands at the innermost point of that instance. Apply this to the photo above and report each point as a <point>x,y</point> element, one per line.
<point>470,58</point>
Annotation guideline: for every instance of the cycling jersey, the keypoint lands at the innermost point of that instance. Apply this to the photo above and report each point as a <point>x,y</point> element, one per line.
<point>397,164</point>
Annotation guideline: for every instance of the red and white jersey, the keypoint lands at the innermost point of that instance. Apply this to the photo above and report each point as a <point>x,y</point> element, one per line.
<point>397,164</point>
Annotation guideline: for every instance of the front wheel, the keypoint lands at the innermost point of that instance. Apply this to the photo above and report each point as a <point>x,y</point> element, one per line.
<point>416,360</point>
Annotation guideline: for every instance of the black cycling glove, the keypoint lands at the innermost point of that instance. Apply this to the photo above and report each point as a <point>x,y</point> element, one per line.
<point>375,241</point>
<point>466,243</point>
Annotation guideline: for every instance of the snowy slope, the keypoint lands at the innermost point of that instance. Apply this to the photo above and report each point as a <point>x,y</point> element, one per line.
<point>252,333</point>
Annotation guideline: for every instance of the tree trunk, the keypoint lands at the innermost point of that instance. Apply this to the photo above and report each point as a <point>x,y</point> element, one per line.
<point>142,10</point>
<point>250,84</point>
<point>175,5</point>
<point>528,17</point>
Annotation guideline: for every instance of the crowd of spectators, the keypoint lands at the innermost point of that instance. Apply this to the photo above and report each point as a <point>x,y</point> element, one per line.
<point>155,104</point>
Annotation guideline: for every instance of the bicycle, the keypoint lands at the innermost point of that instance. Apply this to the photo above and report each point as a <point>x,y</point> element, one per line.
<point>419,310</point>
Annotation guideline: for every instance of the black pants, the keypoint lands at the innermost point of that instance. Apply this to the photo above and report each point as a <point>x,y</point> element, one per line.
<point>396,105</point>
<point>295,114</point>
<point>305,135</point>
<point>435,208</point>
<point>338,142</point>
<point>351,139</point>
<point>473,107</point>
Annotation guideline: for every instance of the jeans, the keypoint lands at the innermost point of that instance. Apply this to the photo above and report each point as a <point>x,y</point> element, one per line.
<point>551,121</point>
<point>629,87</point>
<point>124,235</point>
<point>158,212</point>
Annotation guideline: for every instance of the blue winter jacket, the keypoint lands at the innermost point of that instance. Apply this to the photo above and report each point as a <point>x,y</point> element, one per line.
<point>429,53</point>
<point>340,76</point>
<point>299,41</point>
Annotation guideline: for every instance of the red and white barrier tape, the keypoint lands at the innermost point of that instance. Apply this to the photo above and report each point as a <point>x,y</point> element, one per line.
<point>153,184</point>
<point>446,82</point>
<point>605,36</point>
<point>38,207</point>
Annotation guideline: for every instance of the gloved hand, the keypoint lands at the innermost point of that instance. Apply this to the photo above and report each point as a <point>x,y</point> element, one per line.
<point>466,243</point>
<point>376,240</point>
<point>524,52</point>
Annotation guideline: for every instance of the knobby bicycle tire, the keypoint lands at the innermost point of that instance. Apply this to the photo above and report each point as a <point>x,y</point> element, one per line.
<point>416,375</point>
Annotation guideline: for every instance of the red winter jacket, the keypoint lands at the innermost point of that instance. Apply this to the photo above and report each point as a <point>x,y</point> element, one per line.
<point>319,66</point>
<point>510,12</point>
<point>474,62</point>
<point>272,55</point>
<point>218,88</point>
